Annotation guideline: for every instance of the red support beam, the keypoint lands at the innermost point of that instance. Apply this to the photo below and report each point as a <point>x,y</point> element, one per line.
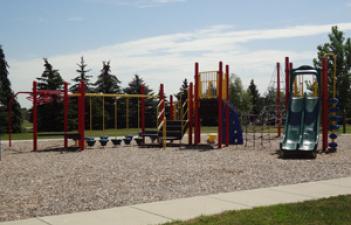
<point>190,112</point>
<point>197,105</point>
<point>35,116</point>
<point>325,104</point>
<point>65,113</point>
<point>81,115</point>
<point>227,106</point>
<point>287,82</point>
<point>171,109</point>
<point>142,111</point>
<point>277,103</point>
<point>219,102</point>
<point>162,96</point>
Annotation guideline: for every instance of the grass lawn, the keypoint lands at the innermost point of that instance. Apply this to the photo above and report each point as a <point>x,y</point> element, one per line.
<point>121,132</point>
<point>336,210</point>
<point>94,133</point>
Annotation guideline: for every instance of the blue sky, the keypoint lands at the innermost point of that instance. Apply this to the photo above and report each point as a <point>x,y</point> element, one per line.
<point>161,39</point>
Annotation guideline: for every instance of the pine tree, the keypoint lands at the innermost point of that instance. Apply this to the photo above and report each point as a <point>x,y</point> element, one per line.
<point>106,83</point>
<point>150,113</point>
<point>135,84</point>
<point>255,98</point>
<point>341,47</point>
<point>183,91</point>
<point>6,94</point>
<point>50,115</point>
<point>82,76</point>
<point>50,79</point>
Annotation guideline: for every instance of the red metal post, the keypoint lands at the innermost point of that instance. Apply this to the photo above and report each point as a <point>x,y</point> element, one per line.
<point>162,97</point>
<point>220,103</point>
<point>197,105</point>
<point>227,106</point>
<point>65,113</point>
<point>35,116</point>
<point>171,109</point>
<point>142,111</point>
<point>287,82</point>
<point>325,102</point>
<point>81,115</point>
<point>190,112</point>
<point>277,102</point>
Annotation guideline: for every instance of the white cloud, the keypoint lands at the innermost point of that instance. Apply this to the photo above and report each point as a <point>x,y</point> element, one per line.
<point>169,58</point>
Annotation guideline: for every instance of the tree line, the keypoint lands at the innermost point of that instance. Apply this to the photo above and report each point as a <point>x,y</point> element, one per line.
<point>100,112</point>
<point>250,101</point>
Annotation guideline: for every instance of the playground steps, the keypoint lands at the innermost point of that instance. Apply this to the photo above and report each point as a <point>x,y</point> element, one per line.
<point>175,130</point>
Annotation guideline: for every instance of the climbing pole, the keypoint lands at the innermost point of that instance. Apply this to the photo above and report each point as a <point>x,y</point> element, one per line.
<point>333,110</point>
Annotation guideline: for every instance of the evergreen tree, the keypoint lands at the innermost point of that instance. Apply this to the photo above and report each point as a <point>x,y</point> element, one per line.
<point>255,98</point>
<point>107,82</point>
<point>82,76</point>
<point>50,79</point>
<point>135,84</point>
<point>341,47</point>
<point>50,115</point>
<point>183,91</point>
<point>6,94</point>
<point>150,104</point>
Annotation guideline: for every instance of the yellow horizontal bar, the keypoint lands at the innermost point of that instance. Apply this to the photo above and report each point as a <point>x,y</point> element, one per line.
<point>114,95</point>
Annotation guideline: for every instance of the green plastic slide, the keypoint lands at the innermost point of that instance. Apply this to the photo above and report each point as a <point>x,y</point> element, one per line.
<point>293,127</point>
<point>310,133</point>
<point>301,132</point>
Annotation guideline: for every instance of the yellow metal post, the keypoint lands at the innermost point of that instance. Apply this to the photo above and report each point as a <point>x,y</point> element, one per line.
<point>127,113</point>
<point>315,88</point>
<point>116,112</point>
<point>103,113</point>
<point>90,115</point>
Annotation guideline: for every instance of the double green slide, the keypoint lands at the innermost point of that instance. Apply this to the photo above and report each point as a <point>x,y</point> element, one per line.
<point>301,134</point>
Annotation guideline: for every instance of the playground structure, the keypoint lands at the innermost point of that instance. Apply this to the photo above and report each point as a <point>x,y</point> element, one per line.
<point>40,97</point>
<point>209,94</point>
<point>302,127</point>
<point>212,85</point>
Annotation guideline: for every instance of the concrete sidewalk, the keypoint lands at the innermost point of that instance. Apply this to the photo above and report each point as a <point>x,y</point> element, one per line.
<point>187,208</point>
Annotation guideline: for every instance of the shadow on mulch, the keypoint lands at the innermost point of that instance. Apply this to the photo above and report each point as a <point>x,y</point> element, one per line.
<point>296,155</point>
<point>200,147</point>
<point>72,149</point>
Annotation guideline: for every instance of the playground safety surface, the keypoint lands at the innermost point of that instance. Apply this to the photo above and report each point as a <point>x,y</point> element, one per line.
<point>51,183</point>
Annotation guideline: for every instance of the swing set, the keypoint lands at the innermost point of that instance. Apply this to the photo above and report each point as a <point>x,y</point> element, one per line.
<point>41,97</point>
